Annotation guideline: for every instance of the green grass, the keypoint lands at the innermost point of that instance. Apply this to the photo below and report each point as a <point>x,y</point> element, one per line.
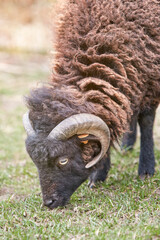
<point>123,207</point>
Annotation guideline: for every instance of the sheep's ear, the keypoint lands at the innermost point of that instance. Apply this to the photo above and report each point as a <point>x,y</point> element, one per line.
<point>90,146</point>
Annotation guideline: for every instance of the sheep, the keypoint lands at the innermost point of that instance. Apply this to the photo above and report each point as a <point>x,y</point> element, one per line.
<point>106,78</point>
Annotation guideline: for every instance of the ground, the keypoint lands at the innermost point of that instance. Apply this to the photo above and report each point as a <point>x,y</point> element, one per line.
<point>124,207</point>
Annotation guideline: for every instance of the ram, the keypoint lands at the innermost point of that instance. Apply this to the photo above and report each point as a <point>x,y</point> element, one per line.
<point>106,78</point>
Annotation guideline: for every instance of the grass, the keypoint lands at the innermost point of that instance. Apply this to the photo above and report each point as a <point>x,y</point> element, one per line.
<point>123,207</point>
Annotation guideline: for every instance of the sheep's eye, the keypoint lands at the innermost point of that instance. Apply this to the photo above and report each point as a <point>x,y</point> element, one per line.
<point>63,161</point>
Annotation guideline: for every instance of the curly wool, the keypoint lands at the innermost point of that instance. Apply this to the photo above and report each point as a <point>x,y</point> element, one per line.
<point>107,62</point>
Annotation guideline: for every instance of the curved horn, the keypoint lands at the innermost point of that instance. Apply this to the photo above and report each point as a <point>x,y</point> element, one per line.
<point>27,125</point>
<point>80,124</point>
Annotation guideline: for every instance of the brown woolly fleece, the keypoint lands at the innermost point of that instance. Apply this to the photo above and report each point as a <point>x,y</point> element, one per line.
<point>107,63</point>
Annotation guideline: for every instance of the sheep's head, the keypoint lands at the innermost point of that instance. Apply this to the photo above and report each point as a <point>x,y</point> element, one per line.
<point>61,157</point>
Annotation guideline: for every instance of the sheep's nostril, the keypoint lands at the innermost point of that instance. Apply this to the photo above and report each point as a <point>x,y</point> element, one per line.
<point>49,202</point>
<point>54,202</point>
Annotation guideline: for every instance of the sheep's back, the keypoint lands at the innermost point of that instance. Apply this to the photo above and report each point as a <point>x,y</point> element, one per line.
<point>110,52</point>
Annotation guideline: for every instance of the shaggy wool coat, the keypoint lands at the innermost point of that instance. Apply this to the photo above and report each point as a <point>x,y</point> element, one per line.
<point>107,62</point>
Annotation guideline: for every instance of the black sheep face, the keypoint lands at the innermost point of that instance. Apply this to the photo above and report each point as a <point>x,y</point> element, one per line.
<point>61,168</point>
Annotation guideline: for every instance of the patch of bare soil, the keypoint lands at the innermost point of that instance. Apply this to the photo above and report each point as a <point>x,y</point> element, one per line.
<point>5,193</point>
<point>8,193</point>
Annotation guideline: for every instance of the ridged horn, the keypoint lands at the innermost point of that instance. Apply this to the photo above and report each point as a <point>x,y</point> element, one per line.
<point>27,125</point>
<point>80,124</point>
